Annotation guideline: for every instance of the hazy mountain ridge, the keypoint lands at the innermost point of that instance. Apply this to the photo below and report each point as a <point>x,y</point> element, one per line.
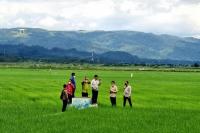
<point>143,45</point>
<point>18,53</point>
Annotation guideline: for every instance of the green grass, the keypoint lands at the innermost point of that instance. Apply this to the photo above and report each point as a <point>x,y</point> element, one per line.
<point>164,102</point>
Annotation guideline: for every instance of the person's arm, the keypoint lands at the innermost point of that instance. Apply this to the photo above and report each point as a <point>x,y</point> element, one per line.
<point>61,95</point>
<point>116,90</point>
<point>110,90</point>
<point>82,83</point>
<point>73,86</point>
<point>66,93</point>
<point>99,82</point>
<point>129,90</point>
<point>92,84</point>
<point>73,82</point>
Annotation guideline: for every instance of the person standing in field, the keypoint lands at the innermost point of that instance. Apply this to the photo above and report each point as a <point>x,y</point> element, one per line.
<point>73,81</point>
<point>85,87</point>
<point>95,83</point>
<point>70,90</point>
<point>113,93</point>
<point>127,94</point>
<point>64,98</point>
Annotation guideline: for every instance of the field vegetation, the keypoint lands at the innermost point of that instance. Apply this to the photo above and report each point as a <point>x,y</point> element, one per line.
<point>163,102</point>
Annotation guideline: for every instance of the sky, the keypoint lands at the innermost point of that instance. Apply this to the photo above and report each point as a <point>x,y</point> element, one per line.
<point>176,17</point>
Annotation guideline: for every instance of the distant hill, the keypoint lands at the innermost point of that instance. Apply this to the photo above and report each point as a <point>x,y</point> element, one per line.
<point>142,45</point>
<point>119,57</point>
<point>17,53</point>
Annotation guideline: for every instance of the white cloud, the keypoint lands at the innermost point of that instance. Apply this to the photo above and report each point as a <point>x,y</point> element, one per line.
<point>48,22</point>
<point>179,17</point>
<point>20,22</point>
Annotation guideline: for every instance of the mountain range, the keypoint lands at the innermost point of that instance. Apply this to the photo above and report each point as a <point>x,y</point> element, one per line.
<point>21,53</point>
<point>136,44</point>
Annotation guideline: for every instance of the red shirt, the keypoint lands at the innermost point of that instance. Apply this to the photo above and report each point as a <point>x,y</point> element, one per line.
<point>70,88</point>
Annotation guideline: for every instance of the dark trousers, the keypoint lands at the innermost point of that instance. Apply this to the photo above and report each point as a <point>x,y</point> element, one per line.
<point>64,105</point>
<point>70,99</point>
<point>84,94</point>
<point>73,94</point>
<point>94,96</point>
<point>113,101</point>
<point>129,100</point>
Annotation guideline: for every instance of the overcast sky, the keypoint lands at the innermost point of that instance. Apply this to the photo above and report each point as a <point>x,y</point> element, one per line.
<point>177,17</point>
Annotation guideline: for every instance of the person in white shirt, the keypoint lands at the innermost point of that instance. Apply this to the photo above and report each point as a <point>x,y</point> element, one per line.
<point>113,93</point>
<point>127,94</point>
<point>95,83</point>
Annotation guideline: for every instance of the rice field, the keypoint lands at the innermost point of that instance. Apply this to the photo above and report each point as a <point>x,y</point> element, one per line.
<point>163,102</point>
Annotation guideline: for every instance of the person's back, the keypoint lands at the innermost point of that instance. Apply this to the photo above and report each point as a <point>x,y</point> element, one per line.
<point>64,97</point>
<point>64,94</point>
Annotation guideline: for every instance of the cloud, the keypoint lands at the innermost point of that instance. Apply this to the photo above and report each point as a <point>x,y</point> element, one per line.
<point>20,22</point>
<point>94,9</point>
<point>178,17</point>
<point>190,1</point>
<point>48,22</point>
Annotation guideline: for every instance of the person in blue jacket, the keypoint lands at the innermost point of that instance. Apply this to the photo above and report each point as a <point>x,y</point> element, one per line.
<point>73,80</point>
